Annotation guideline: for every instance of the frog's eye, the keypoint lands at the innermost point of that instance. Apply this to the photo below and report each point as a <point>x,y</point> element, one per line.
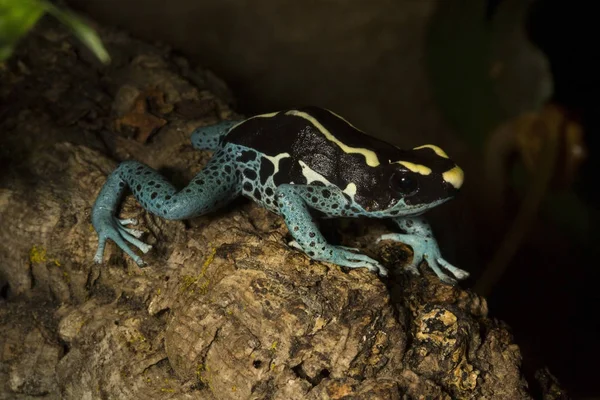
<point>403,183</point>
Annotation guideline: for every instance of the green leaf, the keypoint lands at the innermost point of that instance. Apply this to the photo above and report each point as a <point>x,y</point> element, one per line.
<point>82,31</point>
<point>17,17</point>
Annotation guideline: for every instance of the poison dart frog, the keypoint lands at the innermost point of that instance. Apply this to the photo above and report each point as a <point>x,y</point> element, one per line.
<point>297,163</point>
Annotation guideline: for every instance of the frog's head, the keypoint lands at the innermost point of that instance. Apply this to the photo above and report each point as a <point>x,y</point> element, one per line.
<point>423,178</point>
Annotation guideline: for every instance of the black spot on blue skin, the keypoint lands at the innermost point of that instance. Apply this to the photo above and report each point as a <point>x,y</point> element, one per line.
<point>312,244</point>
<point>395,212</point>
<point>140,167</point>
<point>311,234</point>
<point>326,193</point>
<point>266,169</point>
<point>247,156</point>
<point>167,197</point>
<point>153,195</point>
<point>314,199</point>
<point>213,167</point>
<point>257,194</point>
<point>268,201</point>
<point>248,186</point>
<point>311,253</point>
<point>199,181</point>
<point>334,206</point>
<point>188,190</point>
<point>295,229</point>
<point>310,190</point>
<point>138,187</point>
<point>282,176</point>
<point>227,169</point>
<point>250,174</point>
<point>147,173</point>
<point>151,183</point>
<point>218,182</point>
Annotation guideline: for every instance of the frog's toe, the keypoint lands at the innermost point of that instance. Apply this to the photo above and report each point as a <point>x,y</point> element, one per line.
<point>413,269</point>
<point>345,257</point>
<point>445,278</point>
<point>134,241</point>
<point>128,221</point>
<point>390,236</point>
<point>112,228</point>
<point>121,239</point>
<point>100,251</point>
<point>295,245</point>
<point>133,232</point>
<point>381,270</point>
<point>349,248</point>
<point>436,266</point>
<point>458,273</point>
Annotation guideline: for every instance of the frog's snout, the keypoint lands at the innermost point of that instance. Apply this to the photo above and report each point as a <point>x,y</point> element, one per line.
<point>454,177</point>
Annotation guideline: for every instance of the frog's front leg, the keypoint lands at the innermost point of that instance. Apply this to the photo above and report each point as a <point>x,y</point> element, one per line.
<point>210,188</point>
<point>292,203</point>
<point>420,237</point>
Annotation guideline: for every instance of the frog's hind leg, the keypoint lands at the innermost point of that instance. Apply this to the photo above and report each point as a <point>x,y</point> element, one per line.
<point>210,137</point>
<point>211,188</point>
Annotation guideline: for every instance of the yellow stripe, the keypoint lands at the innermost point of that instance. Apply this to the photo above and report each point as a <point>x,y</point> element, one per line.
<point>345,120</point>
<point>454,176</point>
<point>370,156</point>
<point>417,168</point>
<point>269,115</point>
<point>433,147</point>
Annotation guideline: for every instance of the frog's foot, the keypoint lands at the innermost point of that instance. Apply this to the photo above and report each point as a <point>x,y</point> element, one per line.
<point>112,228</point>
<point>343,256</point>
<point>427,248</point>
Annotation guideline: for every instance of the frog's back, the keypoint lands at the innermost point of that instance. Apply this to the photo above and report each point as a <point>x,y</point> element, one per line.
<point>306,130</point>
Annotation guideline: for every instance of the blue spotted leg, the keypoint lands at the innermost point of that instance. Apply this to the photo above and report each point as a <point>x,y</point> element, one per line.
<point>209,137</point>
<point>292,203</point>
<point>420,238</point>
<point>212,187</point>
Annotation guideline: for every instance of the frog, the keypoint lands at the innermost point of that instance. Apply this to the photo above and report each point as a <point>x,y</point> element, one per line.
<point>303,164</point>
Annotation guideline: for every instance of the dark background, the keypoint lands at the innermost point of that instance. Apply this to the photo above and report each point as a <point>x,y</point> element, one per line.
<point>415,72</point>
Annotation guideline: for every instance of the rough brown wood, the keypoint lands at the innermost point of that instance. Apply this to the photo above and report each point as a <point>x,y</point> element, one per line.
<point>224,309</point>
